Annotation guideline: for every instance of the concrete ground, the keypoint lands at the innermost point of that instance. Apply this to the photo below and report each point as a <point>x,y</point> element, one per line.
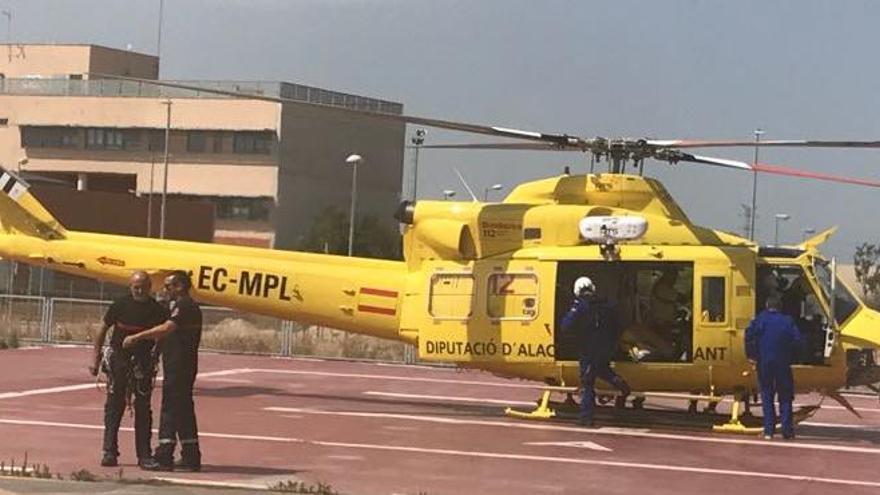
<point>367,428</point>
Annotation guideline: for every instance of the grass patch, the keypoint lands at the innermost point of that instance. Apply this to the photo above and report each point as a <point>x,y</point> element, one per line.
<point>25,469</point>
<point>9,340</point>
<point>328,342</point>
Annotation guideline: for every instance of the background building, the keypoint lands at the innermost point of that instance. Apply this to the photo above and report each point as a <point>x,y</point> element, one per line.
<point>268,168</point>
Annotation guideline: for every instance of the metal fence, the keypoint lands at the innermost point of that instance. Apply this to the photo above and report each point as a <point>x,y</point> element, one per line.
<point>60,320</point>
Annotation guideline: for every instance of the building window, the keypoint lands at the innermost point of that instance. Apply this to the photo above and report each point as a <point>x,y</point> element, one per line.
<point>4,122</point>
<point>104,139</point>
<point>217,144</point>
<point>156,141</point>
<point>243,208</point>
<point>253,142</point>
<point>48,137</point>
<point>196,141</point>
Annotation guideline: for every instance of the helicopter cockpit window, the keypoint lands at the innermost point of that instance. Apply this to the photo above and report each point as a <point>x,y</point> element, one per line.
<point>845,304</point>
<point>713,300</point>
<point>451,296</point>
<point>800,301</point>
<point>512,296</point>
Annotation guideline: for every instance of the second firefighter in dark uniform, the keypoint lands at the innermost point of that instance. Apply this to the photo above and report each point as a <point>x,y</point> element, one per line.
<point>180,337</point>
<point>130,372</point>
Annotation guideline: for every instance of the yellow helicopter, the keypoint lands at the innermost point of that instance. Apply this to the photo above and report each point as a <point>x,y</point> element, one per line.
<point>485,285</point>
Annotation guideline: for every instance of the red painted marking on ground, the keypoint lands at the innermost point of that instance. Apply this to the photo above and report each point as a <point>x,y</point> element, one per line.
<point>245,443</point>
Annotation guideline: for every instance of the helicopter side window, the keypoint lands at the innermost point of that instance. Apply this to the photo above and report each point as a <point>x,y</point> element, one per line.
<point>512,296</point>
<point>451,296</point>
<point>713,300</point>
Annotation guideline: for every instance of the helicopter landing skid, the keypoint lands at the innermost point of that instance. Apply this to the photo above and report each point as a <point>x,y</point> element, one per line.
<point>546,409</point>
<point>739,421</point>
<point>735,424</point>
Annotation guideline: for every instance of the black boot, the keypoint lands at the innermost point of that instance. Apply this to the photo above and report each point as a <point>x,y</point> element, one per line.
<point>109,460</point>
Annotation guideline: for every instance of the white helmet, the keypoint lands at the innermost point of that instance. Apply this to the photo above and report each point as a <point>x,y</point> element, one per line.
<point>584,286</point>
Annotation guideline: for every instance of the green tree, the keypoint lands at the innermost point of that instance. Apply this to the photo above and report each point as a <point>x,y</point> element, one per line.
<point>867,268</point>
<point>372,239</point>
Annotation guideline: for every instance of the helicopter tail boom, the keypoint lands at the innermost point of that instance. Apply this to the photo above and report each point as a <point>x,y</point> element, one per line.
<point>354,294</point>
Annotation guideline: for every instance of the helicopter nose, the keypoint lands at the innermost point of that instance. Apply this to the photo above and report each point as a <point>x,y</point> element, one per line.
<point>860,337</point>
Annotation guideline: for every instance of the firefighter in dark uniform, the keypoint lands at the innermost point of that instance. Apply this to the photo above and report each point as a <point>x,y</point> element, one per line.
<point>596,326</point>
<point>180,337</point>
<point>130,372</point>
<point>772,344</point>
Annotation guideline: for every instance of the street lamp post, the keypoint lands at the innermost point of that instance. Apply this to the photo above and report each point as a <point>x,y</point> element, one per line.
<point>165,169</point>
<point>779,217</point>
<point>354,161</point>
<point>417,140</point>
<point>8,15</point>
<point>808,232</point>
<point>493,187</point>
<point>448,193</point>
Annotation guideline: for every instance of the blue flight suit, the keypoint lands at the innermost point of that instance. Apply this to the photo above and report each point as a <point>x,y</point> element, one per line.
<point>597,329</point>
<point>773,341</point>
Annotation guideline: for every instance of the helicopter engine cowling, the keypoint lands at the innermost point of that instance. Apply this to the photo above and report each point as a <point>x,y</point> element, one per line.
<point>448,238</point>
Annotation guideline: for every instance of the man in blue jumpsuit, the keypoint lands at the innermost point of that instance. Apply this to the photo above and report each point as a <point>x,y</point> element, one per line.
<point>772,342</point>
<point>594,323</point>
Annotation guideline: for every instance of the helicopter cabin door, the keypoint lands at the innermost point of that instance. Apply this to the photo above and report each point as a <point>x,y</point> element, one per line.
<point>490,311</point>
<point>715,333</point>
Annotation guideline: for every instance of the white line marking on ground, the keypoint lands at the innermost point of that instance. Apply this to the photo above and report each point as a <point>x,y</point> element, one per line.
<point>395,378</point>
<point>213,484</point>
<point>640,433</point>
<point>51,390</point>
<point>453,399</point>
<point>577,445</point>
<point>86,386</point>
<point>841,425</point>
<point>497,455</point>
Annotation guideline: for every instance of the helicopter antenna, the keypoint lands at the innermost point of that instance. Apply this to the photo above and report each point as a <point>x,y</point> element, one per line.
<point>466,186</point>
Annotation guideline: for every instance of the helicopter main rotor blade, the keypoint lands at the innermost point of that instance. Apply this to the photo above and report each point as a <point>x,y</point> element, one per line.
<point>770,169</point>
<point>560,139</point>
<point>535,146</point>
<point>792,143</point>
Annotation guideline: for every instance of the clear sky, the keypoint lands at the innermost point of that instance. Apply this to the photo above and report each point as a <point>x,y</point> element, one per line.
<point>662,69</point>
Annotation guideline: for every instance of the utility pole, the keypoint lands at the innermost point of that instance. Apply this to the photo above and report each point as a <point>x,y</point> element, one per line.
<point>754,211</point>
<point>165,170</point>
<point>159,35</point>
<point>150,195</point>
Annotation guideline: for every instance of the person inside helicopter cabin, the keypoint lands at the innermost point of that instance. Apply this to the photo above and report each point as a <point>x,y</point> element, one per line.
<point>663,313</point>
<point>594,323</point>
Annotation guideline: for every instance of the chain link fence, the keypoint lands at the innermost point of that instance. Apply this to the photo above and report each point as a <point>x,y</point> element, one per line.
<point>68,320</point>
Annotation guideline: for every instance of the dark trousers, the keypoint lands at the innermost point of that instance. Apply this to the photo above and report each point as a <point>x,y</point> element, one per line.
<point>591,369</point>
<point>124,373</point>
<point>777,381</point>
<point>178,419</point>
